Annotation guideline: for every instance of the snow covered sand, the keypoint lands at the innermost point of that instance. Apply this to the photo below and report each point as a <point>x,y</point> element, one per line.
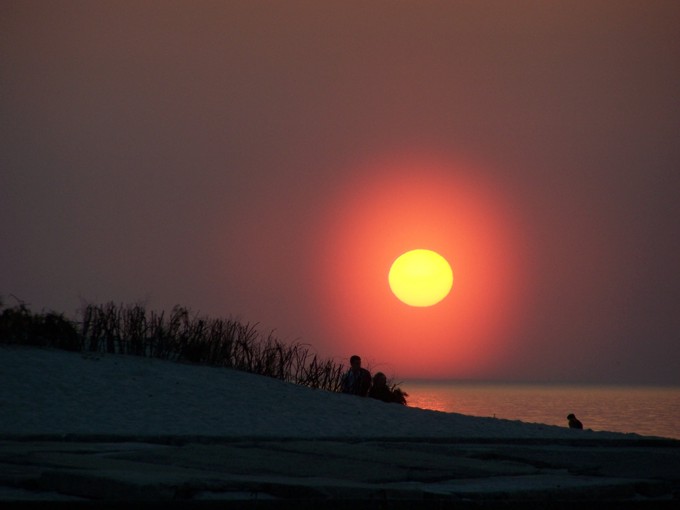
<point>90,426</point>
<point>58,392</point>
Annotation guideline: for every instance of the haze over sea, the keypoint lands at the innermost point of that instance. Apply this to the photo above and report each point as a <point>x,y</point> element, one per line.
<point>645,410</point>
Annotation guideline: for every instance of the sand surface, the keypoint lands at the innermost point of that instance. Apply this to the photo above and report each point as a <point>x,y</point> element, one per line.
<point>91,428</point>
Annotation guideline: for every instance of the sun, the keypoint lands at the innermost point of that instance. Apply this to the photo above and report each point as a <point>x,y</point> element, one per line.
<point>420,277</point>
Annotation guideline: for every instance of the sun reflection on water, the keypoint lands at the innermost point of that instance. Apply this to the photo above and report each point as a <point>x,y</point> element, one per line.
<point>642,410</point>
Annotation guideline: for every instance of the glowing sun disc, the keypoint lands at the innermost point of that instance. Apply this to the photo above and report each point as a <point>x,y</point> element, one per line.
<point>420,277</point>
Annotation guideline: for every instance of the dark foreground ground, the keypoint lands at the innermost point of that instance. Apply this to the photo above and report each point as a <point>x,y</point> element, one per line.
<point>171,472</point>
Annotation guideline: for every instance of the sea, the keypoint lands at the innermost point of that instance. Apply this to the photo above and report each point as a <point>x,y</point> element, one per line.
<point>644,410</point>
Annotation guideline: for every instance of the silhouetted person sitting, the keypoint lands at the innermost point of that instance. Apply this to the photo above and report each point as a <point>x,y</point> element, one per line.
<point>574,423</point>
<point>357,380</point>
<point>381,391</point>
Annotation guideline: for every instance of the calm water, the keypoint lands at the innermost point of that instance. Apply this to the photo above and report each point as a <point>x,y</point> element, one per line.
<point>650,411</point>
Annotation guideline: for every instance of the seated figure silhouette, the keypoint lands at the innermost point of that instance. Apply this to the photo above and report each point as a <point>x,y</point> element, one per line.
<point>357,380</point>
<point>381,391</point>
<point>574,423</point>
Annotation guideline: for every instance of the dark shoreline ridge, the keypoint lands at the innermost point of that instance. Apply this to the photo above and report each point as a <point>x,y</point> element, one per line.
<point>630,440</point>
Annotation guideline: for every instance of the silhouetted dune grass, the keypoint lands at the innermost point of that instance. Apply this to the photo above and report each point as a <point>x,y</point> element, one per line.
<point>178,335</point>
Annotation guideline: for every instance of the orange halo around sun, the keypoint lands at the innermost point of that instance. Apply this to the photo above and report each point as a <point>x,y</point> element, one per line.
<point>420,277</point>
<point>385,209</point>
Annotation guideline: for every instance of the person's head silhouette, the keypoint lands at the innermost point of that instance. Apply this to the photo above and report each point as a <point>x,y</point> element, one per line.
<point>574,422</point>
<point>379,380</point>
<point>355,363</point>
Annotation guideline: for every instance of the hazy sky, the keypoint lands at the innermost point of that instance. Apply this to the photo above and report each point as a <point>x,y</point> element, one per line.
<point>267,161</point>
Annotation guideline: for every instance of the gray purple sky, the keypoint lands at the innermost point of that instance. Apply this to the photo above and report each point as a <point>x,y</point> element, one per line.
<point>266,161</point>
